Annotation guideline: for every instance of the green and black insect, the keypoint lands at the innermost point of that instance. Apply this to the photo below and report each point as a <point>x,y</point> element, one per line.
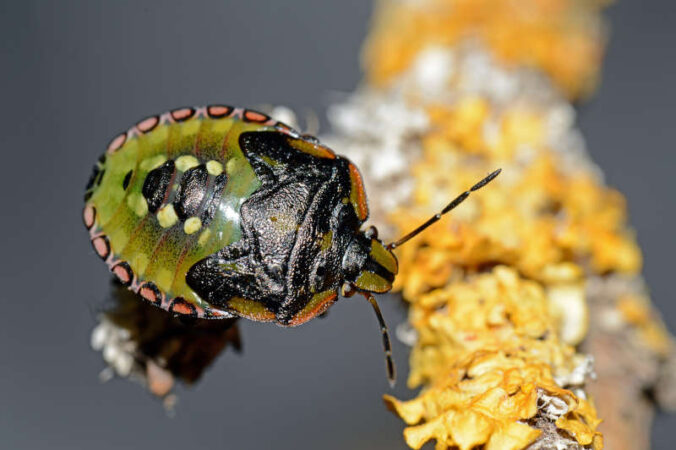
<point>221,212</point>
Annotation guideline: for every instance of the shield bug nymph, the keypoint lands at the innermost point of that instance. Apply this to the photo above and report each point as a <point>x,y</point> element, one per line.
<point>221,212</point>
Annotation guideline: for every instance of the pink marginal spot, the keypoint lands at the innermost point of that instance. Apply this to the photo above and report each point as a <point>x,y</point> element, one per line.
<point>218,111</point>
<point>101,246</point>
<point>148,124</point>
<point>149,293</point>
<point>255,116</point>
<point>123,273</point>
<point>89,215</point>
<point>117,142</point>
<point>179,115</point>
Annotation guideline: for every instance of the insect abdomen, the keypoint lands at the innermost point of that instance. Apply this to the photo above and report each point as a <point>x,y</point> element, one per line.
<point>170,195</point>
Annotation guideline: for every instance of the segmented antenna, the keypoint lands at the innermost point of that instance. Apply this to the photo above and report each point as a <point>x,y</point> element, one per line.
<point>435,218</point>
<point>389,361</point>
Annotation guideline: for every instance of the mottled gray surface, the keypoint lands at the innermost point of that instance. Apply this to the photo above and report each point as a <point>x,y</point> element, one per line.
<point>74,73</point>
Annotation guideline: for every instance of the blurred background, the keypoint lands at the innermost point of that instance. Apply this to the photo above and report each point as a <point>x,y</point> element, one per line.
<point>76,73</point>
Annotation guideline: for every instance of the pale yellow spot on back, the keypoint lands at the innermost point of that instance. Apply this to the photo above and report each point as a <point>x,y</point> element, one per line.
<point>186,162</point>
<point>153,162</point>
<point>164,278</point>
<point>138,204</point>
<point>167,216</point>
<point>204,237</point>
<point>233,165</point>
<point>214,168</point>
<point>139,261</point>
<point>192,225</point>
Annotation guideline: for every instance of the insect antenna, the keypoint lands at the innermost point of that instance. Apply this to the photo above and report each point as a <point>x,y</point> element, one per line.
<point>456,201</point>
<point>387,347</point>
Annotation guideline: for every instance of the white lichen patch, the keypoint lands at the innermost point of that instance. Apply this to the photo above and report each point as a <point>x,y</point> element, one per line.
<point>116,347</point>
<point>380,130</point>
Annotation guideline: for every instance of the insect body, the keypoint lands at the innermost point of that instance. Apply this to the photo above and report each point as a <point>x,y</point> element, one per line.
<point>220,212</point>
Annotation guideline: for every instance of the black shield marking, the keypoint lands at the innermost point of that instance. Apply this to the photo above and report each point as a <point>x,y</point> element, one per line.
<point>156,184</point>
<point>210,207</point>
<point>191,192</point>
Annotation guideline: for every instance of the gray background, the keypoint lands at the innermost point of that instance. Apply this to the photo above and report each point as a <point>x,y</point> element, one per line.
<point>76,72</point>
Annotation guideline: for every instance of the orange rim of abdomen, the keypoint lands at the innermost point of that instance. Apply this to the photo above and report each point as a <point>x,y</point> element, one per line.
<point>357,193</point>
<point>313,309</point>
<point>312,148</point>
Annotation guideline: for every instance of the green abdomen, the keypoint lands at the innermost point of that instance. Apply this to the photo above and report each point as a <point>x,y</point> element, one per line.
<point>168,194</point>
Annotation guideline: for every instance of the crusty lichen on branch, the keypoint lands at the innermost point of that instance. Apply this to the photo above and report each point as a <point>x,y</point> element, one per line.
<point>498,291</point>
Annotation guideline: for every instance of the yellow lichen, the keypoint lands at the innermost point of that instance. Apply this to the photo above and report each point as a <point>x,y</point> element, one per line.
<point>636,311</point>
<point>497,310</point>
<point>497,289</point>
<point>560,220</point>
<point>541,34</point>
<point>511,325</point>
<point>488,342</point>
<point>486,347</point>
